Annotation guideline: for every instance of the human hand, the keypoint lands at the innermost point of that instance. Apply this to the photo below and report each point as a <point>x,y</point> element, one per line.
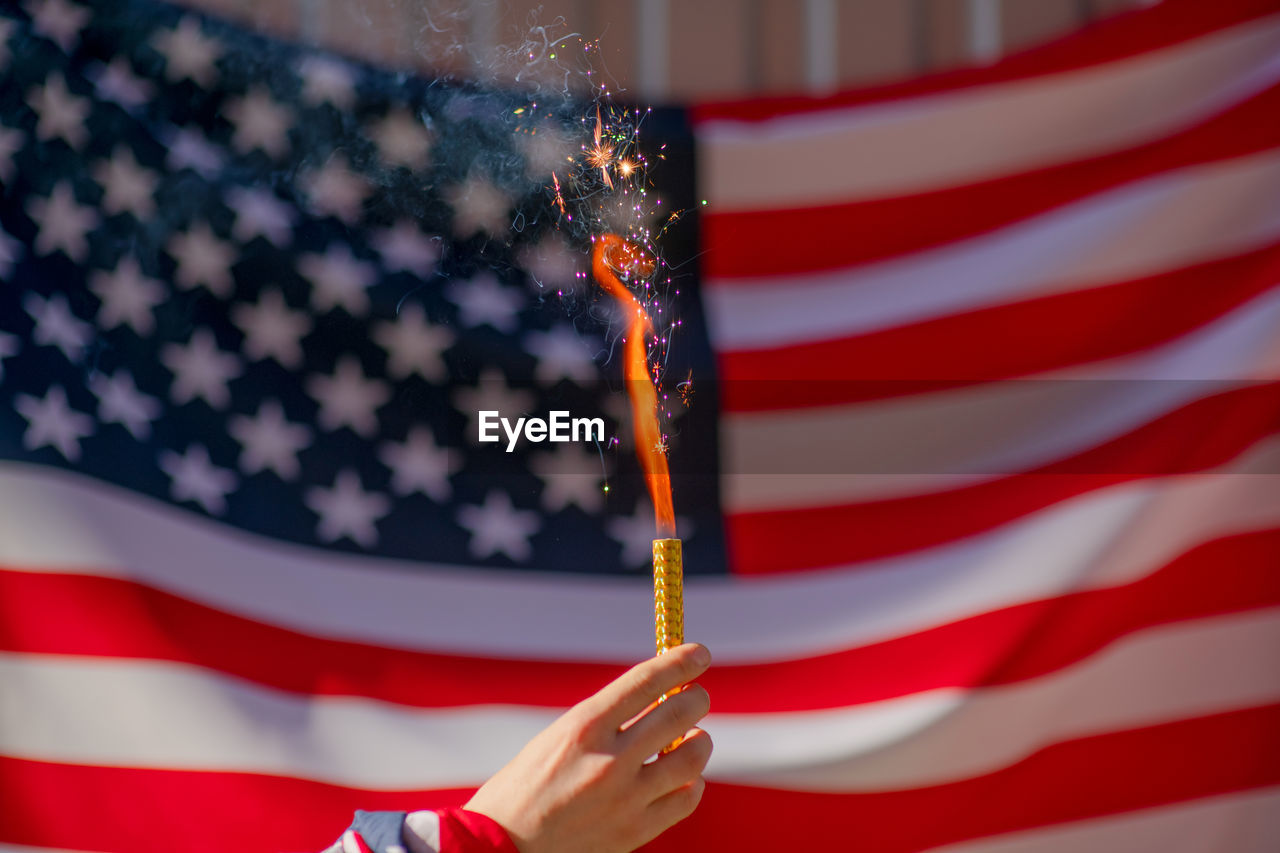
<point>582,784</point>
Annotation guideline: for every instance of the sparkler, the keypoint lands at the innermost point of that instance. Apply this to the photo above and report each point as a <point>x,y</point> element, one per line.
<point>613,260</point>
<point>611,169</point>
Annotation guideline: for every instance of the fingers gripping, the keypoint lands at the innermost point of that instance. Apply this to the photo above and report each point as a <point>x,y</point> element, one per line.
<point>679,767</point>
<point>667,722</point>
<point>641,686</point>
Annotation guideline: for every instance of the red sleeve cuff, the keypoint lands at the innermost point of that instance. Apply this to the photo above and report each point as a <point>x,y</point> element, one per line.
<point>462,831</point>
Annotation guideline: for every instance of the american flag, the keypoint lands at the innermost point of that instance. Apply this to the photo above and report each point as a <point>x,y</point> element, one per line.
<point>981,467</point>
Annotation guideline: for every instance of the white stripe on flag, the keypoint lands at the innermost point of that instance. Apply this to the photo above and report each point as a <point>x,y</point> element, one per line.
<point>1162,674</point>
<point>1241,822</point>
<point>1152,226</point>
<point>159,715</point>
<point>990,429</point>
<point>154,714</point>
<point>1107,538</point>
<point>935,141</point>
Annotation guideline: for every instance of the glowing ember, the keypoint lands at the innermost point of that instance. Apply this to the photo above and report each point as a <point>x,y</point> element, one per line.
<point>613,257</point>
<point>686,388</point>
<point>559,196</point>
<point>600,156</point>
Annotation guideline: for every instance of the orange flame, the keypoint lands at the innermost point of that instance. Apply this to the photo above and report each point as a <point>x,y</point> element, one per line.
<point>613,257</point>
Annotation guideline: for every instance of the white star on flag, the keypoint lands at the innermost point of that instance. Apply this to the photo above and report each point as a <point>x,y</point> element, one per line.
<point>338,279</point>
<point>271,329</point>
<point>545,150</point>
<point>635,533</point>
<point>483,299</point>
<point>202,259</point>
<point>64,223</point>
<point>570,474</point>
<point>116,83</point>
<point>419,465</point>
<point>51,422</point>
<point>349,398</point>
<point>498,527</point>
<point>414,345</point>
<point>188,53</point>
<point>58,21</point>
<point>405,247</point>
<point>553,265</point>
<point>562,353</point>
<point>189,149</point>
<point>491,394</point>
<point>260,122</point>
<point>62,114</point>
<point>402,139</point>
<point>127,186</point>
<point>55,325</point>
<point>269,441</point>
<point>120,402</point>
<point>335,190</point>
<point>260,214</point>
<point>195,478</point>
<point>326,79</point>
<point>201,370</point>
<point>479,206</point>
<point>348,510</point>
<point>128,297</point>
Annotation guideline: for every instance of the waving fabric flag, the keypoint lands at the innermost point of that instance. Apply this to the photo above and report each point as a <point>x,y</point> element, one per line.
<point>982,466</point>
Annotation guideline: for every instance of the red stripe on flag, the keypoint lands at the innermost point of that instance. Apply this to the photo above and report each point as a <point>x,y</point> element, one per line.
<point>1078,779</point>
<point>1000,342</point>
<point>1197,437</point>
<point>742,246</point>
<point>83,807</point>
<point>107,617</point>
<point>1014,643</point>
<point>88,808</point>
<point>1141,31</point>
<point>79,615</point>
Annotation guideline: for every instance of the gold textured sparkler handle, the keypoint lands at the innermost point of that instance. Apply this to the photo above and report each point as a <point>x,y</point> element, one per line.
<point>668,604</point>
<point>668,594</point>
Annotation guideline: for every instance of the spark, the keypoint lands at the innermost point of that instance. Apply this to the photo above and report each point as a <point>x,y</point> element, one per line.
<point>559,196</point>
<point>600,155</point>
<point>686,388</point>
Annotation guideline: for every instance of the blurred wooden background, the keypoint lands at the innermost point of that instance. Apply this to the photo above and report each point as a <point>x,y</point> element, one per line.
<point>679,50</point>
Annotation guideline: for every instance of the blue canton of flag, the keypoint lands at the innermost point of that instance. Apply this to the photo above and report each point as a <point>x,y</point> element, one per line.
<point>276,287</point>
